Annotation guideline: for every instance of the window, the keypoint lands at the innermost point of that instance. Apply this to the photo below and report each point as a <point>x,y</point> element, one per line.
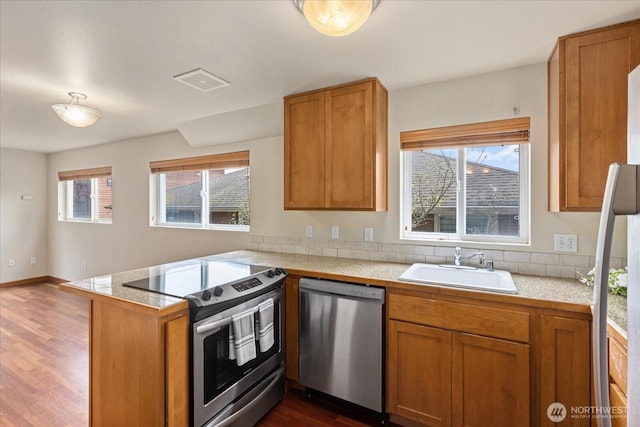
<point>202,192</point>
<point>467,182</point>
<point>85,195</point>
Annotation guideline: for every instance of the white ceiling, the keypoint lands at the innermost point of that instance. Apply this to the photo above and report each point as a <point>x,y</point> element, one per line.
<point>124,54</point>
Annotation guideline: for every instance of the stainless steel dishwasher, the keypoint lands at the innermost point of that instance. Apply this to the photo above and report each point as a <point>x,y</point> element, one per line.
<point>340,342</point>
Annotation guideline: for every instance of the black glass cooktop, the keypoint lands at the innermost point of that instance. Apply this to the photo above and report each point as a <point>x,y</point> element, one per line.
<point>184,278</point>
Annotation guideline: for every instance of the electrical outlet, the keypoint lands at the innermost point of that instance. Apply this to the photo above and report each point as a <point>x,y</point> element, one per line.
<point>368,234</point>
<point>309,231</point>
<point>565,242</point>
<point>33,260</point>
<point>335,232</point>
<point>12,263</point>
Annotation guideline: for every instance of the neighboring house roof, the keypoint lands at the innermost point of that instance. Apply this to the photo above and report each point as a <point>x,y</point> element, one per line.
<point>486,185</point>
<point>227,193</point>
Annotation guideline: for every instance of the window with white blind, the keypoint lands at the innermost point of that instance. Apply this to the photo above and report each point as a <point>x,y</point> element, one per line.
<point>210,192</point>
<point>467,182</point>
<point>85,195</point>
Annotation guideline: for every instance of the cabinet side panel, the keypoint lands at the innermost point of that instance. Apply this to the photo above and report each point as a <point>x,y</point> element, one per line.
<point>555,167</point>
<point>304,151</point>
<point>127,375</point>
<point>291,327</point>
<point>177,370</point>
<point>381,155</point>
<point>350,150</point>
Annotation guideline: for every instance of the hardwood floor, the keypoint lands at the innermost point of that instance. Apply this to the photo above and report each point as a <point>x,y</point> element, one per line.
<point>43,357</point>
<point>44,367</point>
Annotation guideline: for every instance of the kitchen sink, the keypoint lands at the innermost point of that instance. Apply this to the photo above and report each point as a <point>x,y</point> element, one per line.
<point>470,278</point>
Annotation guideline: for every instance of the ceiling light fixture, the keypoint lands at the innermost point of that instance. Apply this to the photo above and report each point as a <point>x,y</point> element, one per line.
<point>336,18</point>
<point>75,114</point>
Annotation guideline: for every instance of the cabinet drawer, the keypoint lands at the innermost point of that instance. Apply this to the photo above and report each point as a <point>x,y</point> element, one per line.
<point>488,321</point>
<point>619,405</point>
<point>618,364</point>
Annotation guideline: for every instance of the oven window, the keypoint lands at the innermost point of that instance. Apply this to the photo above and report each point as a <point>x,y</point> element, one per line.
<point>221,372</point>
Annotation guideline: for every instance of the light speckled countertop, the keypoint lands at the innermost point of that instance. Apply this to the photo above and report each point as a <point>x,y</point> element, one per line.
<point>557,293</point>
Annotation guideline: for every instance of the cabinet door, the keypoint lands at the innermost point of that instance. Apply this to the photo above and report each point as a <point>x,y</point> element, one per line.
<point>304,151</point>
<point>597,65</point>
<point>490,382</point>
<point>419,373</point>
<point>350,164</point>
<point>565,367</point>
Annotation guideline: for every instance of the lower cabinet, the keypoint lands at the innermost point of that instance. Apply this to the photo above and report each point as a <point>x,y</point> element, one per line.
<point>565,369</point>
<point>419,367</point>
<point>457,363</point>
<point>490,380</point>
<point>439,377</point>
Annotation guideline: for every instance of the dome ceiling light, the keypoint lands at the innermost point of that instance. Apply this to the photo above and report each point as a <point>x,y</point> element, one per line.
<point>75,114</point>
<point>336,18</point>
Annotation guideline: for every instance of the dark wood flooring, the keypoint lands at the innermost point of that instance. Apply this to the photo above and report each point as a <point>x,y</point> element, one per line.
<point>44,367</point>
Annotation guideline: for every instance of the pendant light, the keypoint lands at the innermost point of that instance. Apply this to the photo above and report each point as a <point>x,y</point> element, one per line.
<point>336,18</point>
<point>75,114</point>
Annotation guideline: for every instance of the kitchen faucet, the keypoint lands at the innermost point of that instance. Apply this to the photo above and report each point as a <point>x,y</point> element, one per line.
<point>458,258</point>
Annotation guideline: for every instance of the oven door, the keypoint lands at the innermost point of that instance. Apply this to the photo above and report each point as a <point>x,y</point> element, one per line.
<point>218,381</point>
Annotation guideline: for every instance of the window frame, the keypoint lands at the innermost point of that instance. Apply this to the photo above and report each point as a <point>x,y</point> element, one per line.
<point>65,194</point>
<point>459,138</point>
<point>202,164</point>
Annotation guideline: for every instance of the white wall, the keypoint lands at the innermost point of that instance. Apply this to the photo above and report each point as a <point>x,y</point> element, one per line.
<point>23,223</point>
<point>130,242</point>
<point>480,98</point>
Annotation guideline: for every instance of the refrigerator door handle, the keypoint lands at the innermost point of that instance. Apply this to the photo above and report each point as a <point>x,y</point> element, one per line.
<point>621,197</point>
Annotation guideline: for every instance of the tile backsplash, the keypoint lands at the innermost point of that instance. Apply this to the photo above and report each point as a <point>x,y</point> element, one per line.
<point>522,262</point>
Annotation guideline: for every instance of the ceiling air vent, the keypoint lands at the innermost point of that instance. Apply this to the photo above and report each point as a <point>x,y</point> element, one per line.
<point>202,80</point>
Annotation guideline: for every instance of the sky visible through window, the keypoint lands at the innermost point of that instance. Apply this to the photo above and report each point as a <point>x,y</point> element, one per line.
<point>502,156</point>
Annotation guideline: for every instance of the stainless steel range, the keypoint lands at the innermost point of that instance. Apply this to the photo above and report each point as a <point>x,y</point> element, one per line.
<point>237,350</point>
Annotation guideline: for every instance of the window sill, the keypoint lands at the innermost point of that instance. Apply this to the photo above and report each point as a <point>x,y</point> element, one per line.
<point>85,221</point>
<point>479,241</point>
<point>237,228</point>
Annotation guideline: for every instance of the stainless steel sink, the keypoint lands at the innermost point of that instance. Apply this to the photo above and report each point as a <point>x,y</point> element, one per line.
<point>480,279</point>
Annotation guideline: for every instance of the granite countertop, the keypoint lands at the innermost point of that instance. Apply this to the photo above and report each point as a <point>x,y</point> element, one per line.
<point>557,293</point>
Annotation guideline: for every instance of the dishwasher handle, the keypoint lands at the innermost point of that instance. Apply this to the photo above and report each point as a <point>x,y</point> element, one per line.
<point>343,289</point>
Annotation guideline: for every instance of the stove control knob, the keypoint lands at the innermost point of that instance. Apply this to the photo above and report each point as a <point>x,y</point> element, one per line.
<point>206,295</point>
<point>217,291</point>
<point>270,273</point>
<point>279,271</point>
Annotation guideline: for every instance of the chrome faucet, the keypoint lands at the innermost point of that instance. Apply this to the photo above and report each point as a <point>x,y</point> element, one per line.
<point>458,258</point>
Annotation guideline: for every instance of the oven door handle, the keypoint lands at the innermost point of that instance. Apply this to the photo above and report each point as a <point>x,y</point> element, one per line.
<point>246,407</point>
<point>217,324</point>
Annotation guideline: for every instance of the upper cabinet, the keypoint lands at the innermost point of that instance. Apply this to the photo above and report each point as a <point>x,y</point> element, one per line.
<point>335,148</point>
<point>588,112</point>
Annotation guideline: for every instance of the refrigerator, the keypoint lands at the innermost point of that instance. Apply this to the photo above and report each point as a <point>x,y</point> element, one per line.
<point>622,197</point>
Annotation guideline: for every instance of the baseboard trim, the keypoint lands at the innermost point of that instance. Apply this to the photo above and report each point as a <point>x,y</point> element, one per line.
<point>41,279</point>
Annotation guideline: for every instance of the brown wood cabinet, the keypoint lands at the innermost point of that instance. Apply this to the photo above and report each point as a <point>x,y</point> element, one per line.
<point>419,372</point>
<point>565,367</point>
<point>618,361</point>
<point>587,78</point>
<point>292,314</point>
<point>335,148</point>
<point>138,362</point>
<point>443,375</point>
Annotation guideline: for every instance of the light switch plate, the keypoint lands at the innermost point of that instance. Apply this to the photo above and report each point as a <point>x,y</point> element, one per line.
<point>309,231</point>
<point>368,234</point>
<point>565,242</point>
<point>335,232</point>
